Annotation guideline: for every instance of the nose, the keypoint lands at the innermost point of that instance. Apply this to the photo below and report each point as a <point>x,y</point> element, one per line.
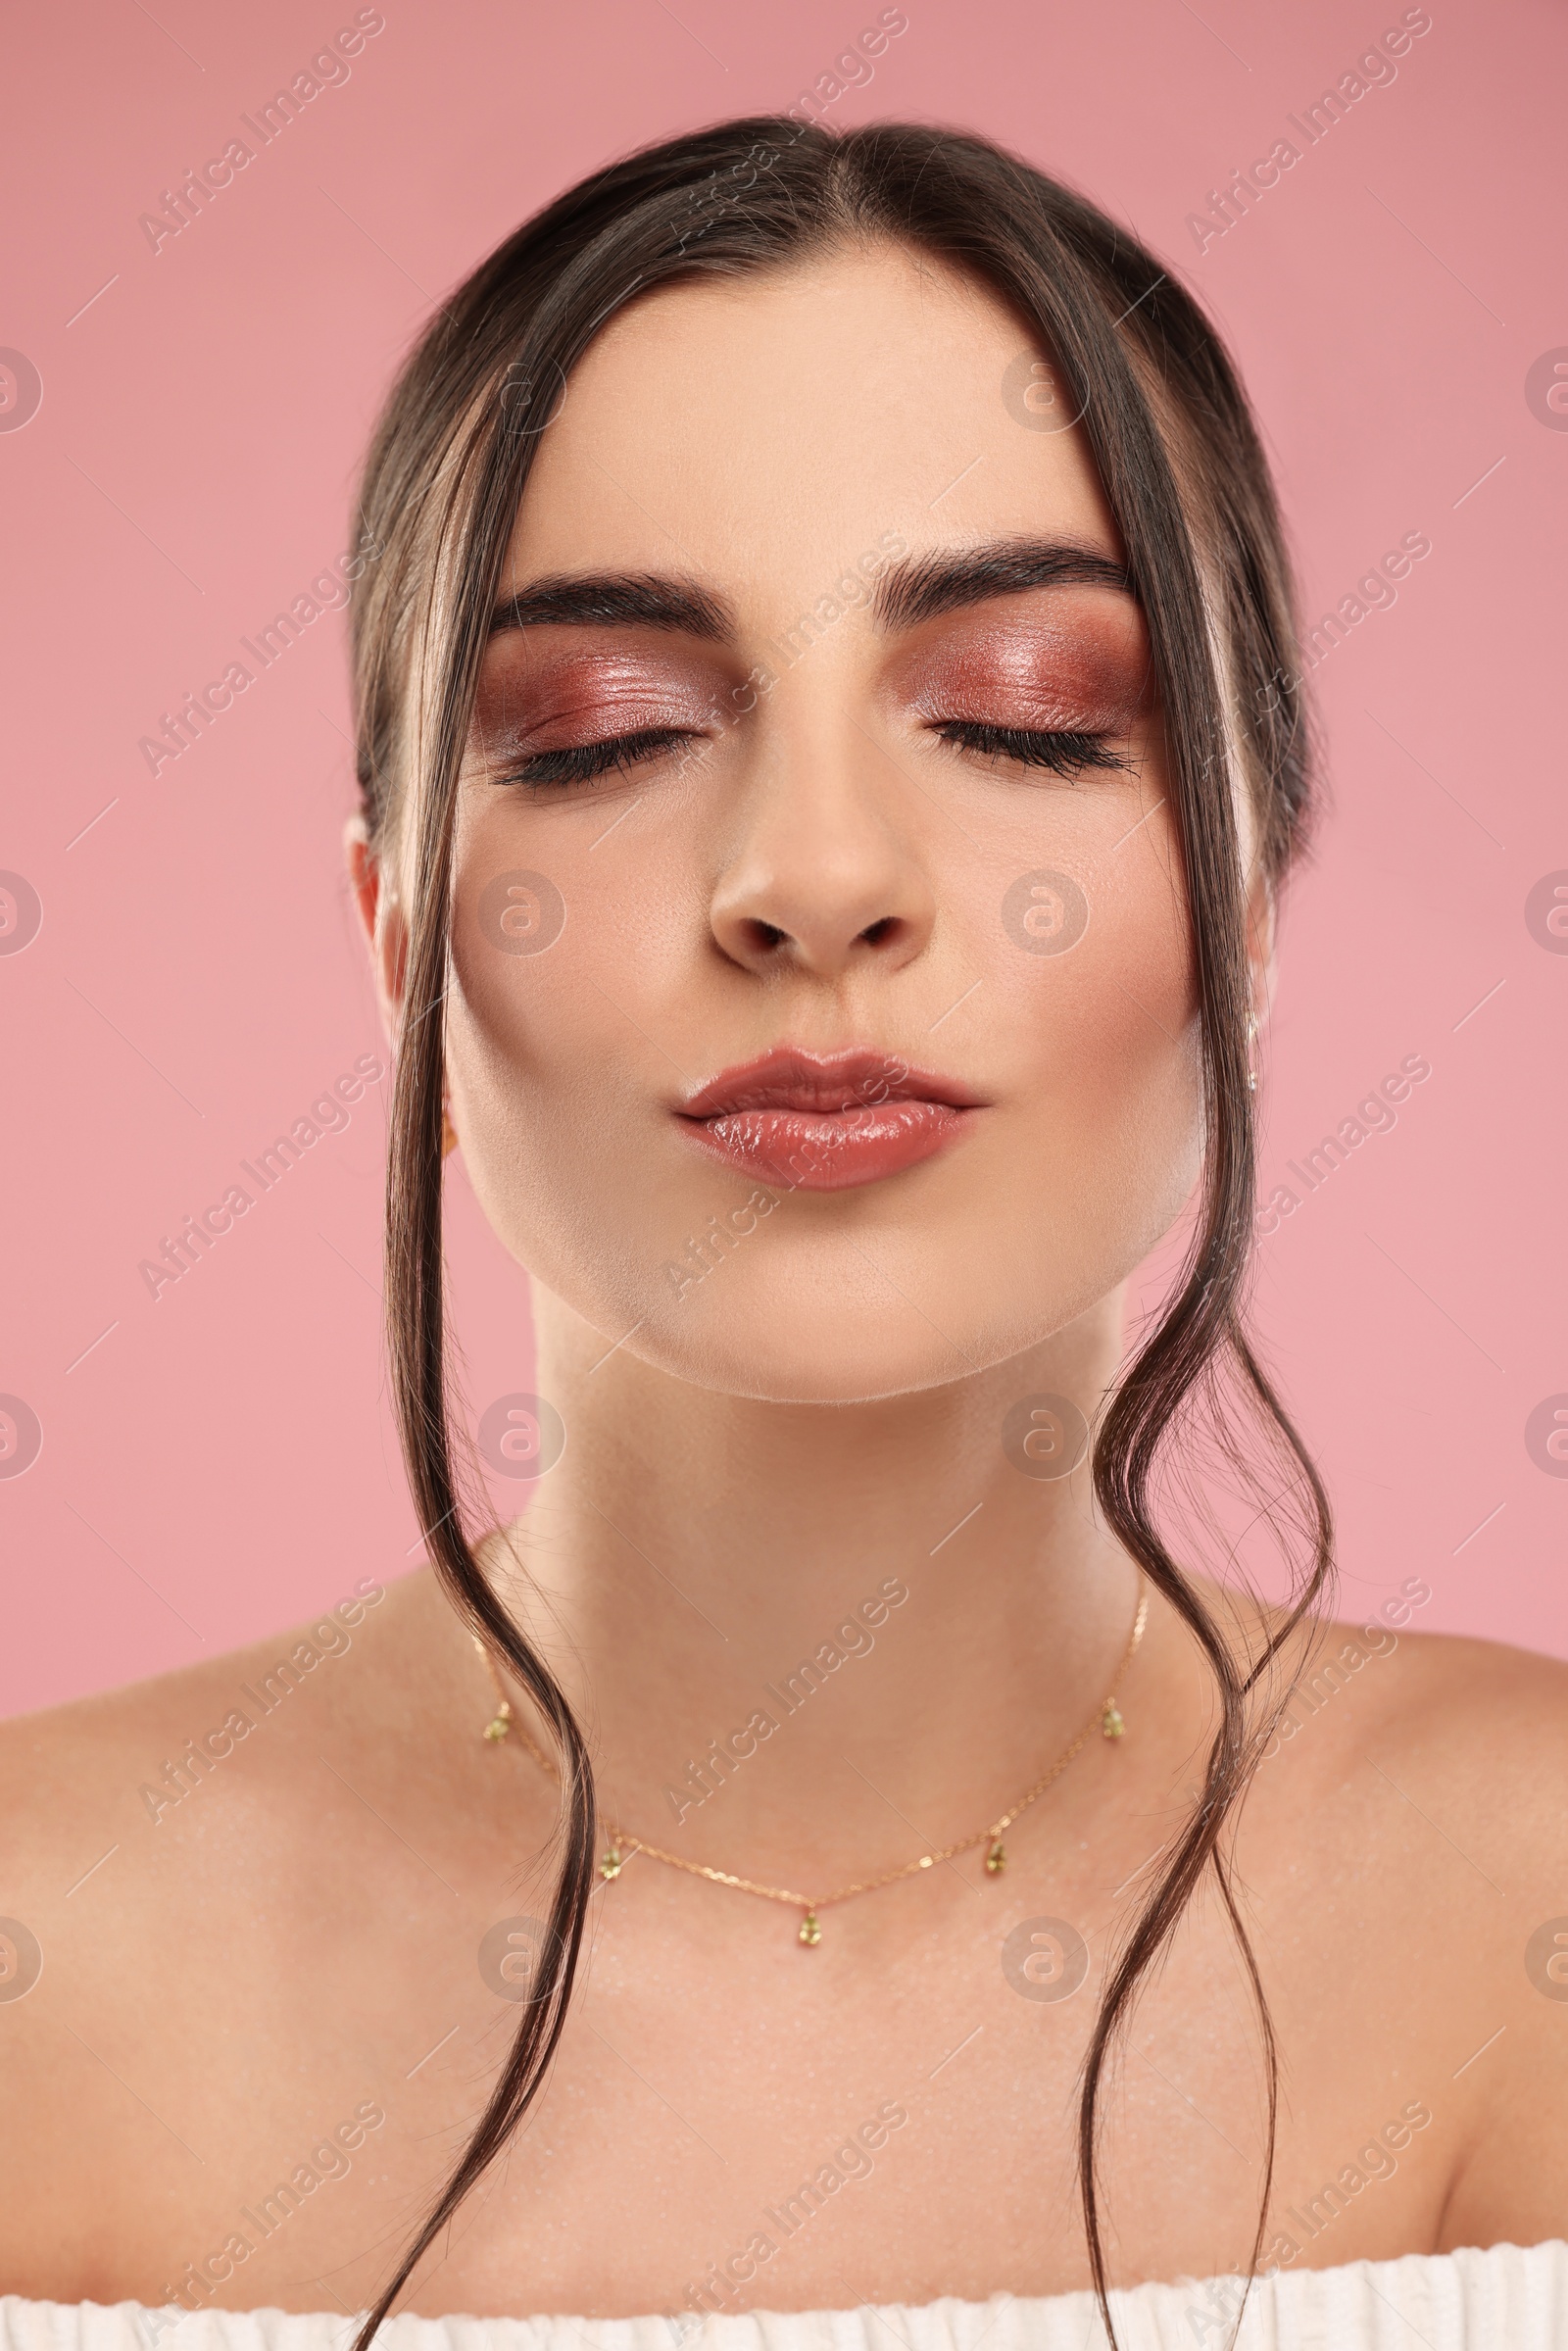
<point>821,877</point>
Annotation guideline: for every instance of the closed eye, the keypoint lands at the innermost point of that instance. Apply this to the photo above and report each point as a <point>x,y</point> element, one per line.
<point>1062,753</point>
<point>582,762</point>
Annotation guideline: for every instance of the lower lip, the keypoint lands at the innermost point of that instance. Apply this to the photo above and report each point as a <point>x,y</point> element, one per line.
<point>830,1151</point>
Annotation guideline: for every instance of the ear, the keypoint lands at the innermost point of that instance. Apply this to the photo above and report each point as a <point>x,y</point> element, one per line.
<point>386,932</point>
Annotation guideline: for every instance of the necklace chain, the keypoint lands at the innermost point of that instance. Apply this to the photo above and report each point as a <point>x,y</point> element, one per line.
<point>622,1843</point>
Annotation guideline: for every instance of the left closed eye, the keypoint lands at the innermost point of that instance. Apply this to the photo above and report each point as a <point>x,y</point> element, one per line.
<point>1059,751</point>
<point>582,762</point>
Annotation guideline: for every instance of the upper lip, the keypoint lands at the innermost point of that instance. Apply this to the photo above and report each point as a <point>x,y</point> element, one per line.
<point>791,1078</point>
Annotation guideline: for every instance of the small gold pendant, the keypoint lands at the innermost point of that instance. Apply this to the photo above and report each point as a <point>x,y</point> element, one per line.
<point>610,1866</point>
<point>1111,1722</point>
<point>810,1931</point>
<point>500,1724</point>
<point>997,1859</point>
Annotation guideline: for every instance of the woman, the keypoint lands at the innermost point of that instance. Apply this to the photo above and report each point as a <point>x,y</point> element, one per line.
<point>831,748</point>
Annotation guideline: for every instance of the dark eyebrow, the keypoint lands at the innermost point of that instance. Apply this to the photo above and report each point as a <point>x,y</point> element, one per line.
<point>918,588</point>
<point>613,599</point>
<point>945,579</point>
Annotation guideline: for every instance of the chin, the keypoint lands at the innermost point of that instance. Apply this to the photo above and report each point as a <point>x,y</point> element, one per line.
<point>800,1365</point>
<point>813,1335</point>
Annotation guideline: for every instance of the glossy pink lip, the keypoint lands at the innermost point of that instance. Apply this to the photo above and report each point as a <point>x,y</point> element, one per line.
<point>824,1122</point>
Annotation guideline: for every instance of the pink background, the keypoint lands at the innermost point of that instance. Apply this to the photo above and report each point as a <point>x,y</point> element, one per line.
<point>223,1462</point>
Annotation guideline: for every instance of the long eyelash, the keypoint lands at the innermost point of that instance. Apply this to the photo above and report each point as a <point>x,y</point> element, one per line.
<point>581,763</point>
<point>1062,753</point>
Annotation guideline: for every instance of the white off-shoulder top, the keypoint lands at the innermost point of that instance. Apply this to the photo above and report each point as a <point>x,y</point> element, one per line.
<point>1506,2298</point>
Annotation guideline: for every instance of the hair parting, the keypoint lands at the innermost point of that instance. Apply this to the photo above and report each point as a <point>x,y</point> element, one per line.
<point>1186,480</point>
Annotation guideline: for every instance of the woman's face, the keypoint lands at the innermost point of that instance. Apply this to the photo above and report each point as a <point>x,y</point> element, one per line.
<point>835,1036</point>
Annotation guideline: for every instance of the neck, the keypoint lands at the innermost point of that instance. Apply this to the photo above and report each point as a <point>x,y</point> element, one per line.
<point>923,1624</point>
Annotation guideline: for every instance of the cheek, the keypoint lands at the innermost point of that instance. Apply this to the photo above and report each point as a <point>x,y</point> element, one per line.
<point>1095,951</point>
<point>1107,1040</point>
<point>1144,1002</point>
<point>547,1124</point>
<point>572,979</point>
<point>535,1043</point>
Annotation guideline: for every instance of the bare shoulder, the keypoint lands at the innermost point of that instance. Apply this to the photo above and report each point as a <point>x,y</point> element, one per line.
<point>1481,1708</point>
<point>162,1737</point>
<point>194,1876</point>
<point>1471,1735</point>
<point>1472,1756</point>
<point>1414,1801</point>
<point>1403,1850</point>
<point>103,1799</point>
<point>1425,1771</point>
<point>1489,1720</point>
<point>1467,1744</point>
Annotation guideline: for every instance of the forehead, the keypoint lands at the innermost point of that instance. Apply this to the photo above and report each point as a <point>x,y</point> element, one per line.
<point>765,430</point>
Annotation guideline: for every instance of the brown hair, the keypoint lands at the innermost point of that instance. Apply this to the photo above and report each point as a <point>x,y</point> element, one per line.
<point>1186,480</point>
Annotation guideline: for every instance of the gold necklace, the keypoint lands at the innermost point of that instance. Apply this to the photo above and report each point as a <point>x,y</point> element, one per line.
<point>621,1844</point>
